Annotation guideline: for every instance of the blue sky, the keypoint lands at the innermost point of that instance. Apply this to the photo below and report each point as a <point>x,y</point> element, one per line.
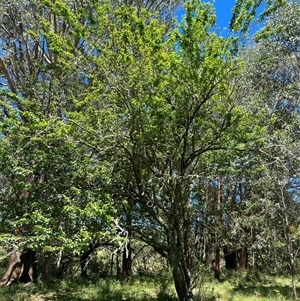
<point>223,11</point>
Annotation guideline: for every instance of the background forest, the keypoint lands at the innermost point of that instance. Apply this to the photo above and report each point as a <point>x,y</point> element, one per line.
<point>133,144</point>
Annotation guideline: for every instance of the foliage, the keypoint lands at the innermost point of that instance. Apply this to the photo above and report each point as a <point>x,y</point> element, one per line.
<point>244,12</point>
<point>120,125</point>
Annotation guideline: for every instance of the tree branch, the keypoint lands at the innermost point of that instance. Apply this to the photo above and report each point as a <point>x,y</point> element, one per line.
<point>7,76</point>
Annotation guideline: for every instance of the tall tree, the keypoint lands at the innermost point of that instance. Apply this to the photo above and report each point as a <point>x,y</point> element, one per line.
<point>53,193</point>
<point>173,110</point>
<point>273,66</point>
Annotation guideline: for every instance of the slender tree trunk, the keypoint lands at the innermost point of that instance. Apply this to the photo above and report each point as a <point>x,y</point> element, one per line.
<point>206,241</point>
<point>206,252</point>
<point>112,264</point>
<point>83,263</point>
<point>275,256</point>
<point>217,254</point>
<point>127,260</point>
<point>182,283</point>
<point>47,267</point>
<point>181,274</point>
<point>289,244</point>
<point>118,275</point>
<point>180,255</point>
<point>243,261</point>
<point>217,263</point>
<point>84,258</point>
<point>127,256</point>
<point>253,251</point>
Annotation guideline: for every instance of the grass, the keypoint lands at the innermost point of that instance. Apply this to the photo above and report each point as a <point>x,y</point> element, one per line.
<point>252,286</point>
<point>237,287</point>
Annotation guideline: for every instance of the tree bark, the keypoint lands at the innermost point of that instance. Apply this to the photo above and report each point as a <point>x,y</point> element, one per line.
<point>127,256</point>
<point>180,257</point>
<point>289,244</point>
<point>218,210</point>
<point>217,263</point>
<point>180,251</point>
<point>182,281</point>
<point>22,267</point>
<point>84,258</point>
<point>47,270</point>
<point>118,275</point>
<point>230,256</point>
<point>243,260</point>
<point>127,260</point>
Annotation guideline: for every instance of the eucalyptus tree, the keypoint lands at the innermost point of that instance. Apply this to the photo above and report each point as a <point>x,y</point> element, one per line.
<point>273,66</point>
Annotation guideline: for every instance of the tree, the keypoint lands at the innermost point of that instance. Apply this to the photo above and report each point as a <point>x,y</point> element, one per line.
<point>274,70</point>
<point>131,124</point>
<point>245,12</point>
<point>52,192</point>
<point>173,110</point>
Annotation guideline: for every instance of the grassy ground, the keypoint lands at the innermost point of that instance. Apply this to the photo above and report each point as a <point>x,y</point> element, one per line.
<point>248,287</point>
<point>239,287</point>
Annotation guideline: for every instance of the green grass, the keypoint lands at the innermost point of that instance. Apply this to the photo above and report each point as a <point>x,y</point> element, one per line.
<point>251,286</point>
<point>234,287</point>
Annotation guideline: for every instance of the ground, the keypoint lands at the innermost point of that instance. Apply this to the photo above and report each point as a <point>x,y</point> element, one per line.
<point>240,287</point>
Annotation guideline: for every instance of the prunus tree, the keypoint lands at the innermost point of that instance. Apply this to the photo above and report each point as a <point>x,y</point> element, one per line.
<point>174,111</point>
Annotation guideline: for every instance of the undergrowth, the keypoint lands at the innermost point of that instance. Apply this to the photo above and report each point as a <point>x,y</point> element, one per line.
<point>233,286</point>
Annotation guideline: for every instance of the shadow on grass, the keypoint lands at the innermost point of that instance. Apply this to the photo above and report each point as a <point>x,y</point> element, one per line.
<point>268,291</point>
<point>106,290</point>
<point>101,297</point>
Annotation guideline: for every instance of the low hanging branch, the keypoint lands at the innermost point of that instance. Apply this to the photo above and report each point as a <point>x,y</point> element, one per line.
<point>7,76</point>
<point>15,249</point>
<point>12,87</point>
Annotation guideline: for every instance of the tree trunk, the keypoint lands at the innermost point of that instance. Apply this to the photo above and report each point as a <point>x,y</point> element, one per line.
<point>127,260</point>
<point>180,258</point>
<point>83,263</point>
<point>230,256</point>
<point>47,267</point>
<point>118,275</point>
<point>112,264</point>
<point>84,258</point>
<point>289,244</point>
<point>243,260</point>
<point>182,281</point>
<point>180,254</point>
<point>217,263</point>
<point>253,252</point>
<point>22,267</point>
<point>218,209</point>
<point>206,252</point>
